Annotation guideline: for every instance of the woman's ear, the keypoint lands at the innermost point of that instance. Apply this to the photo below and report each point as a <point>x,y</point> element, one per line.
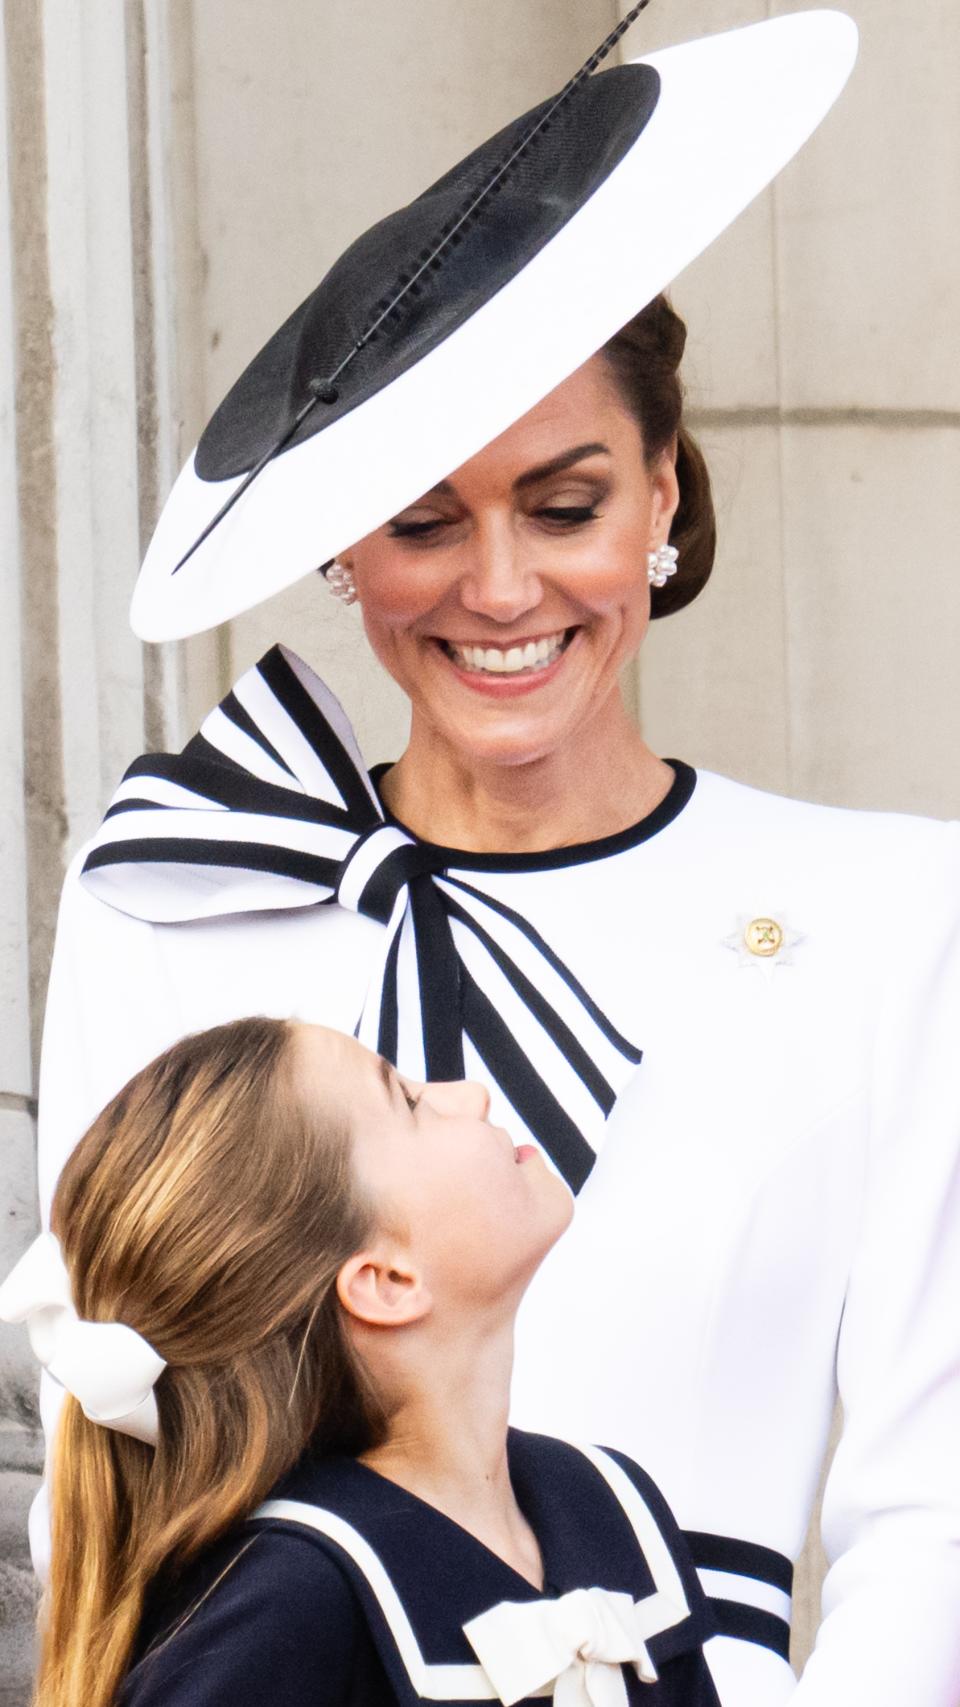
<point>666,489</point>
<point>383,1290</point>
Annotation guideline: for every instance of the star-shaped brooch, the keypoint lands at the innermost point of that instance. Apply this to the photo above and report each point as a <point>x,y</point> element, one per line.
<point>765,941</point>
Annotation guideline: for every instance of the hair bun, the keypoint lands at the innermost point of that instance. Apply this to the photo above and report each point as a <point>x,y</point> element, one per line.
<point>645,356</point>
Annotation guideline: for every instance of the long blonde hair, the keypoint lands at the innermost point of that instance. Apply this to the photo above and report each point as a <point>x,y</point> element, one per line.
<point>210,1208</point>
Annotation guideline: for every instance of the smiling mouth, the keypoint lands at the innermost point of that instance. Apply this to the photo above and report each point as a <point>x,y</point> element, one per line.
<point>532,656</point>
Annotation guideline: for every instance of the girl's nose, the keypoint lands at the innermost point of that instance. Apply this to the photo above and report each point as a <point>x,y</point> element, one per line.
<point>458,1096</point>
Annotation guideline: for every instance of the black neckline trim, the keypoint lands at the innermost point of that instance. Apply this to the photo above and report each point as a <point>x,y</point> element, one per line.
<point>555,859</point>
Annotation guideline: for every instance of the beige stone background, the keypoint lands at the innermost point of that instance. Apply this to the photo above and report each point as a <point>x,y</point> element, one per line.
<point>176,174</point>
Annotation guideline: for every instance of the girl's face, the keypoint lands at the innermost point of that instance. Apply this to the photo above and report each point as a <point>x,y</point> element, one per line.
<point>474,1214</point>
<point>506,601</point>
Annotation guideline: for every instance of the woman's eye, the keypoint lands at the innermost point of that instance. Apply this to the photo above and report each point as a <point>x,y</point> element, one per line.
<point>569,515</point>
<point>414,530</point>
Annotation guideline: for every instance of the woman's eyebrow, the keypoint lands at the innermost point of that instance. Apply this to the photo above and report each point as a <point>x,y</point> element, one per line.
<point>558,464</point>
<point>543,470</point>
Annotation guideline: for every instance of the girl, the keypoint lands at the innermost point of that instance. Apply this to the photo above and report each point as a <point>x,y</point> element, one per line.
<point>316,1266</point>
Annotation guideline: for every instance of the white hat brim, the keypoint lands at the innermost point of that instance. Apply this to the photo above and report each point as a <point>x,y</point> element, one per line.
<point>733,110</point>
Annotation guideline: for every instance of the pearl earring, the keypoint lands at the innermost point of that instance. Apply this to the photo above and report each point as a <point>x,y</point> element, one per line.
<point>661,564</point>
<point>341,583</point>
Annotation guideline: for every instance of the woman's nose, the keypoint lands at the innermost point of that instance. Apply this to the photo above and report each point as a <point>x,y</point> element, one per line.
<point>501,582</point>
<point>458,1096</point>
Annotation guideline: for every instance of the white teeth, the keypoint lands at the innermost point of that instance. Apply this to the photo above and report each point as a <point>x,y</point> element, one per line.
<point>535,655</point>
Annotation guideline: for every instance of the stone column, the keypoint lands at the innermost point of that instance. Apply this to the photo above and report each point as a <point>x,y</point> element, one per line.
<point>19,1446</point>
<point>94,408</point>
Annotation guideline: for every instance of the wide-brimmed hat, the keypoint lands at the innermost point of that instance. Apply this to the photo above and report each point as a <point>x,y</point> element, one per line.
<point>447,321</point>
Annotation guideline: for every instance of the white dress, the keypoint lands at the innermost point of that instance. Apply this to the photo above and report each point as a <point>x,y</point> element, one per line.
<point>775,1210</point>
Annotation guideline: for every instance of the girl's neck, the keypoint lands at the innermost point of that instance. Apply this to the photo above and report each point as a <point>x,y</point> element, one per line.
<point>448,1443</point>
<point>599,783</point>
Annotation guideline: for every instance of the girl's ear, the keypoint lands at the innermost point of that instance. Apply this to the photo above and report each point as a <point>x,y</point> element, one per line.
<point>383,1290</point>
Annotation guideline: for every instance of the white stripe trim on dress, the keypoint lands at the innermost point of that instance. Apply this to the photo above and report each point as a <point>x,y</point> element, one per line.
<point>747,1591</point>
<point>662,1564</point>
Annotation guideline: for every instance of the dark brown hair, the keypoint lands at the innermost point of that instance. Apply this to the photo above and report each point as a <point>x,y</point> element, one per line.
<point>645,358</point>
<point>209,1207</point>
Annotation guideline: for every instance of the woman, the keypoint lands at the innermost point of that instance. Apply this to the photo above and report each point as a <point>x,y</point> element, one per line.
<point>317,1265</point>
<point>535,898</point>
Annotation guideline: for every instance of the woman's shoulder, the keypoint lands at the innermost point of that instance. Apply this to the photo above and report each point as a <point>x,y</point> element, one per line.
<point>866,840</point>
<point>264,1615</point>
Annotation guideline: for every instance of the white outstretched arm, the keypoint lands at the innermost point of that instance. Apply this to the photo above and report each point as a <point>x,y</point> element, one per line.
<point>891,1514</point>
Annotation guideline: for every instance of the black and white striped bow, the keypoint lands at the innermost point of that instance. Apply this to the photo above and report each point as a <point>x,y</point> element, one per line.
<point>270,806</point>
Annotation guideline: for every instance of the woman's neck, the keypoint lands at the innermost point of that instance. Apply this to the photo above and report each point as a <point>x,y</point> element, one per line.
<point>448,1441</point>
<point>599,783</point>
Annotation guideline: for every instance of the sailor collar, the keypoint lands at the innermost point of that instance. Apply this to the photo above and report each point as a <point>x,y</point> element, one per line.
<point>425,1584</point>
<point>270,806</point>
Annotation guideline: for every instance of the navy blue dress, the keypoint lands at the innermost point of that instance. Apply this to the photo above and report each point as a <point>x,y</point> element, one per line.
<point>347,1591</point>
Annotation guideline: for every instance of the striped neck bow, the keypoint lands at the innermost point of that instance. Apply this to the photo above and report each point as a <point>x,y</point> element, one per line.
<point>270,806</point>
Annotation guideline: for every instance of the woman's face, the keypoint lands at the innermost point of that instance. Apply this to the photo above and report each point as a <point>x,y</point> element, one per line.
<point>476,1214</point>
<point>506,601</point>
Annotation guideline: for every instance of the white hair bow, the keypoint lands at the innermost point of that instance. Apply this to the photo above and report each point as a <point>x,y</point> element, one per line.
<point>577,1644</point>
<point>110,1369</point>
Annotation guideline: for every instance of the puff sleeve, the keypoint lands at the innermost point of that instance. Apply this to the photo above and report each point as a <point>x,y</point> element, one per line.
<point>891,1513</point>
<point>111,1007</point>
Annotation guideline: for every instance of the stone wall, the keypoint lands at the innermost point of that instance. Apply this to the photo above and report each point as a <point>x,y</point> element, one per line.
<point>824,379</point>
<point>174,176</point>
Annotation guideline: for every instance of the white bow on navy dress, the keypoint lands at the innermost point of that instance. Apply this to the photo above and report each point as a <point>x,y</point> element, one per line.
<point>574,1646</point>
<point>271,806</point>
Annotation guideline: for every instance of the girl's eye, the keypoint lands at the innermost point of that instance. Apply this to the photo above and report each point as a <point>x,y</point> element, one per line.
<point>569,515</point>
<point>414,530</point>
